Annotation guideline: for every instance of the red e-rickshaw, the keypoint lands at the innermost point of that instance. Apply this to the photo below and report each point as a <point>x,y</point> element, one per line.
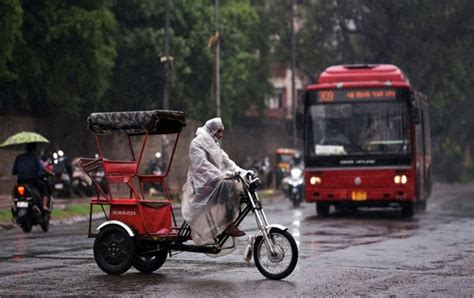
<point>142,232</point>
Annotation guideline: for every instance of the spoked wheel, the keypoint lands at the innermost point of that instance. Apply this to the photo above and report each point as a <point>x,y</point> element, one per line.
<point>283,261</point>
<point>147,263</point>
<point>114,250</point>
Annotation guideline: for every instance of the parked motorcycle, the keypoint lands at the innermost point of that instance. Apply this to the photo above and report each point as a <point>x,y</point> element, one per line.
<point>27,211</point>
<point>82,185</point>
<point>263,169</point>
<point>294,186</point>
<point>62,177</point>
<point>154,168</point>
<point>99,177</point>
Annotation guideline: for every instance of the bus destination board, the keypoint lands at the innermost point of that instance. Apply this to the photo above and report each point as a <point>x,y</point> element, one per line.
<point>356,94</point>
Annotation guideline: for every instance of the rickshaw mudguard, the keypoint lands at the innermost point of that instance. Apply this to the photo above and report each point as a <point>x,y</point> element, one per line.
<point>270,227</point>
<point>119,223</point>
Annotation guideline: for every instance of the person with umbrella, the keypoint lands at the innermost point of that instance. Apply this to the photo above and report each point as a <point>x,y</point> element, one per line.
<point>28,167</point>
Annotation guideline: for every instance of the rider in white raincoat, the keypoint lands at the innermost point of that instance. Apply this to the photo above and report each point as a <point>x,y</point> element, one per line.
<point>210,202</point>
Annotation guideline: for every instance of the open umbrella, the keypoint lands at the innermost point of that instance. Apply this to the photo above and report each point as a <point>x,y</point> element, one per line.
<point>17,141</point>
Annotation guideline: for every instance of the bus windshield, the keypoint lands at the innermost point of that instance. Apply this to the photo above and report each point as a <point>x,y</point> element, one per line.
<point>358,128</point>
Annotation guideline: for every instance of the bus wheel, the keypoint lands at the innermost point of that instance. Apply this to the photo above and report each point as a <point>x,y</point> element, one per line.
<point>408,209</point>
<point>422,205</point>
<point>322,209</point>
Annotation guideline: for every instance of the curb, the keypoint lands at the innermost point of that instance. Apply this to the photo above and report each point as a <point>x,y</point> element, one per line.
<point>83,218</point>
<point>57,222</point>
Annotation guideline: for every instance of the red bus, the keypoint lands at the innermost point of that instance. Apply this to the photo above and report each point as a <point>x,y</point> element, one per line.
<point>366,140</point>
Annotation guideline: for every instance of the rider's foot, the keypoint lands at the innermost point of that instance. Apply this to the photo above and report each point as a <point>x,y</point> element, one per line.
<point>234,231</point>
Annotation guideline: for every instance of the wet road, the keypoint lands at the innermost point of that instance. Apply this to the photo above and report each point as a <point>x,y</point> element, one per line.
<point>374,253</point>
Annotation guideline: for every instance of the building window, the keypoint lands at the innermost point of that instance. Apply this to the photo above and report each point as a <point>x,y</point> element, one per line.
<point>277,100</point>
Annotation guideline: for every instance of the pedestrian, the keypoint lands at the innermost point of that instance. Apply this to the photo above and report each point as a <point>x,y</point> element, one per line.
<point>211,200</point>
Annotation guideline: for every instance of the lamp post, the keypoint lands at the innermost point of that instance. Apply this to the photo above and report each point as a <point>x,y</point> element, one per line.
<point>167,59</point>
<point>217,59</point>
<point>293,69</point>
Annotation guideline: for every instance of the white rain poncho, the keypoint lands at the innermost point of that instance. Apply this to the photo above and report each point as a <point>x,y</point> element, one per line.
<point>210,202</point>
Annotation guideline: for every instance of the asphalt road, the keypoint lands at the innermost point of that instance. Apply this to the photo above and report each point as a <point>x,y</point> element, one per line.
<point>369,253</point>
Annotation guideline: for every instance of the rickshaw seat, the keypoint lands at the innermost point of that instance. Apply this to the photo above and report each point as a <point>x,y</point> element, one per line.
<point>119,171</point>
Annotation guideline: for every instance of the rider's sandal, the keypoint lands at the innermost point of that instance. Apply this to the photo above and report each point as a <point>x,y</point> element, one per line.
<point>234,231</point>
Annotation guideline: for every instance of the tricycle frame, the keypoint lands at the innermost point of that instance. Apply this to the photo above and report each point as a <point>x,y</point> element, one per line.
<point>147,242</point>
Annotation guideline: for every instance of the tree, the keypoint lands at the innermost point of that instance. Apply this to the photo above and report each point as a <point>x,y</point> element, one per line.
<point>63,57</point>
<point>139,75</point>
<point>429,40</point>
<point>11,18</point>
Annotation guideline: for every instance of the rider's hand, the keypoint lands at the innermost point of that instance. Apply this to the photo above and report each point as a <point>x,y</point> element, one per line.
<point>229,174</point>
<point>245,174</point>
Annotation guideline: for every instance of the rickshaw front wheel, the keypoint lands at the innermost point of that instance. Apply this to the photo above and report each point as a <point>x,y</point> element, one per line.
<point>114,250</point>
<point>147,263</point>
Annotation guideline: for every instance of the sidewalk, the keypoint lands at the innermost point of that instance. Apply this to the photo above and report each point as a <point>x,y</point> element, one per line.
<point>6,201</point>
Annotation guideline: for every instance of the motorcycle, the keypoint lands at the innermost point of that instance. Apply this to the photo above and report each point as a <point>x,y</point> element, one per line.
<point>154,168</point>
<point>263,169</point>
<point>27,211</point>
<point>82,185</point>
<point>62,178</point>
<point>294,186</point>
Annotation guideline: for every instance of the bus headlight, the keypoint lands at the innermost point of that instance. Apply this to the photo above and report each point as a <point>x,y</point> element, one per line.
<point>400,179</point>
<point>315,180</point>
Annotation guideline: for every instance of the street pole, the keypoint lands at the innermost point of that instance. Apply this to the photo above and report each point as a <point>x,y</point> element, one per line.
<point>167,62</point>
<point>166,92</point>
<point>217,59</point>
<point>293,68</point>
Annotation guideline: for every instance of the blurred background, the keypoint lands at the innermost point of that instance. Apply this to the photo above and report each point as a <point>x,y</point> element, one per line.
<point>246,61</point>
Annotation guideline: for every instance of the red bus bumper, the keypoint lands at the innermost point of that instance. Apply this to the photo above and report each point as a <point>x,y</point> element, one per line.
<point>361,187</point>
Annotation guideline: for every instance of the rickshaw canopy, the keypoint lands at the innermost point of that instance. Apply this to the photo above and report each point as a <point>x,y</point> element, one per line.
<point>137,122</point>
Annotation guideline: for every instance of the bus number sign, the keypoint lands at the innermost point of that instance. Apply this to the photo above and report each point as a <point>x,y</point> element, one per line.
<point>356,94</point>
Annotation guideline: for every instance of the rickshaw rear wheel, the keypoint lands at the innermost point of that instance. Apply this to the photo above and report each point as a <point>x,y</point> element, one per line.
<point>280,264</point>
<point>114,250</point>
<point>148,263</point>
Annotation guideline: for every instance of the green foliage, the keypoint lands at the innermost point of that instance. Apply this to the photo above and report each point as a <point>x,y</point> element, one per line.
<point>76,56</point>
<point>430,40</point>
<point>11,17</point>
<point>64,55</point>
<point>245,67</point>
<point>139,76</point>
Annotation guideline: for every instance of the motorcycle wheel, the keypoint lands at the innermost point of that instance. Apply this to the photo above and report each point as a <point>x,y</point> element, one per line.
<point>283,262</point>
<point>26,224</point>
<point>114,250</point>
<point>76,188</point>
<point>150,262</point>
<point>296,202</point>
<point>45,224</point>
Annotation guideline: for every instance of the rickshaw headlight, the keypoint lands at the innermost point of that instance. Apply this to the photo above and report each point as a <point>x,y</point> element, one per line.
<point>315,180</point>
